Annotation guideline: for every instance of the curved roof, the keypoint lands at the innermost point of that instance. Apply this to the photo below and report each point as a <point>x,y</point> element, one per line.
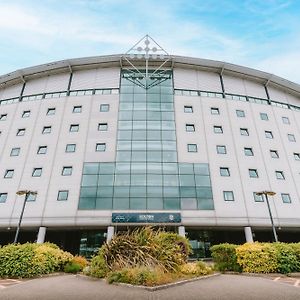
<point>117,60</point>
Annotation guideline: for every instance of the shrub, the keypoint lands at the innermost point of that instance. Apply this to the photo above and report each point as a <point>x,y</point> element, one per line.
<point>98,267</point>
<point>195,269</point>
<point>224,256</point>
<point>81,261</point>
<point>257,257</point>
<point>72,267</point>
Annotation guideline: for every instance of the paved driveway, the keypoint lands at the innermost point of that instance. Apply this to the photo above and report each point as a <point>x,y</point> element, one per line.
<point>223,287</point>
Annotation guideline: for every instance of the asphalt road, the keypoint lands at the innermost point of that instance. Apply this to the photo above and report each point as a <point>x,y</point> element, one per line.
<point>223,287</point>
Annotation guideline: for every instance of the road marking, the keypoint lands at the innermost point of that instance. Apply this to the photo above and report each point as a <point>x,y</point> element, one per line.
<point>297,283</point>
<point>276,279</point>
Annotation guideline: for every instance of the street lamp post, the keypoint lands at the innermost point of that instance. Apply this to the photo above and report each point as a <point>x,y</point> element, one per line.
<point>270,193</point>
<point>20,193</point>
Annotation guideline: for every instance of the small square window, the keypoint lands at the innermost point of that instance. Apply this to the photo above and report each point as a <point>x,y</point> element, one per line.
<point>192,148</point>
<point>291,138</point>
<point>221,149</point>
<point>42,150</point>
<point>240,113</point>
<point>248,151</point>
<point>286,198</point>
<point>188,109</point>
<point>214,111</point>
<point>51,111</point>
<point>3,197</point>
<point>268,134</point>
<point>62,195</point>
<point>37,172</point>
<point>3,117</point>
<point>244,131</point>
<point>258,198</point>
<point>104,107</point>
<point>74,128</point>
<point>264,116</point>
<point>77,109</point>
<point>26,114</point>
<point>224,172</point>
<point>228,195</point>
<point>21,132</point>
<point>189,127</point>
<point>15,151</point>
<point>274,154</point>
<point>279,175</point>
<point>31,197</point>
<point>70,147</point>
<point>9,174</point>
<point>100,147</point>
<point>253,173</point>
<point>285,120</point>
<point>218,129</point>
<point>66,171</point>
<point>46,130</point>
<point>102,126</point>
<point>297,156</point>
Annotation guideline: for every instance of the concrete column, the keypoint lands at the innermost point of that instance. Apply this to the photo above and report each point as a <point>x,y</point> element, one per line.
<point>110,233</point>
<point>181,231</point>
<point>41,235</point>
<point>248,234</point>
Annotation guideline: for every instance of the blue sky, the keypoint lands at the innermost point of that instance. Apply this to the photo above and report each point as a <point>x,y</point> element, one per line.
<point>260,34</point>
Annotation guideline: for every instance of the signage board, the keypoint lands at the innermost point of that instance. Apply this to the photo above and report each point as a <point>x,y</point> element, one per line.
<point>146,217</point>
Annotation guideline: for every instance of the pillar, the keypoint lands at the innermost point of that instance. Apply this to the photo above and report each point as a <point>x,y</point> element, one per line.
<point>110,233</point>
<point>41,235</point>
<point>248,234</point>
<point>181,231</point>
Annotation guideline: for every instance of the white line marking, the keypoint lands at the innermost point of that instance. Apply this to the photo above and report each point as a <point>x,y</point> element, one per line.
<point>2,287</point>
<point>276,279</point>
<point>297,283</point>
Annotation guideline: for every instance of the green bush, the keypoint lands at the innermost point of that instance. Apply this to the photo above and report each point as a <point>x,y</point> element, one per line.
<point>98,267</point>
<point>28,260</point>
<point>198,268</point>
<point>224,256</point>
<point>72,267</point>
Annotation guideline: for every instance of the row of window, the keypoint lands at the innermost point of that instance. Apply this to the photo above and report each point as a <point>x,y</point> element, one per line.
<point>253,173</point>
<point>229,196</point>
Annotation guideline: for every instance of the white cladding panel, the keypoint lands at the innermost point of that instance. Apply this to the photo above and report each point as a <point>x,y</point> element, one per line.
<point>255,89</point>
<point>234,85</point>
<point>96,78</point>
<point>185,79</point>
<point>209,81</point>
<point>58,82</point>
<point>11,91</point>
<point>35,86</point>
<point>292,99</point>
<point>277,94</point>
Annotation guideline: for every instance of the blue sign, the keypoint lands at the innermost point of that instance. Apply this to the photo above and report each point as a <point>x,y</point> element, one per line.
<point>146,217</point>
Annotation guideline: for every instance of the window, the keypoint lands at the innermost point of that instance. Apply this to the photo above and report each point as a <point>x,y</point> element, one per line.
<point>46,130</point>
<point>221,149</point>
<point>9,174</point>
<point>258,198</point>
<point>15,151</point>
<point>21,132</point>
<point>3,197</point>
<point>31,197</point>
<point>285,120</point>
<point>268,134</point>
<point>74,128</point>
<point>218,129</point>
<point>37,172</point>
<point>77,109</point>
<point>100,147</point>
<point>214,111</point>
<point>264,116</point>
<point>240,113</point>
<point>42,150</point>
<point>70,147</point>
<point>228,195</point>
<point>102,126</point>
<point>248,151</point>
<point>66,171</point>
<point>51,111</point>
<point>188,109</point>
<point>189,127</point>
<point>279,175</point>
<point>244,131</point>
<point>297,156</point>
<point>104,107</point>
<point>26,114</point>
<point>224,172</point>
<point>253,173</point>
<point>62,195</point>
<point>291,138</point>
<point>3,117</point>
<point>274,154</point>
<point>286,198</point>
<point>192,148</point>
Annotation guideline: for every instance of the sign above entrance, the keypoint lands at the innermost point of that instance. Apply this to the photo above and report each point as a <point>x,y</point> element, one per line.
<point>146,217</point>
